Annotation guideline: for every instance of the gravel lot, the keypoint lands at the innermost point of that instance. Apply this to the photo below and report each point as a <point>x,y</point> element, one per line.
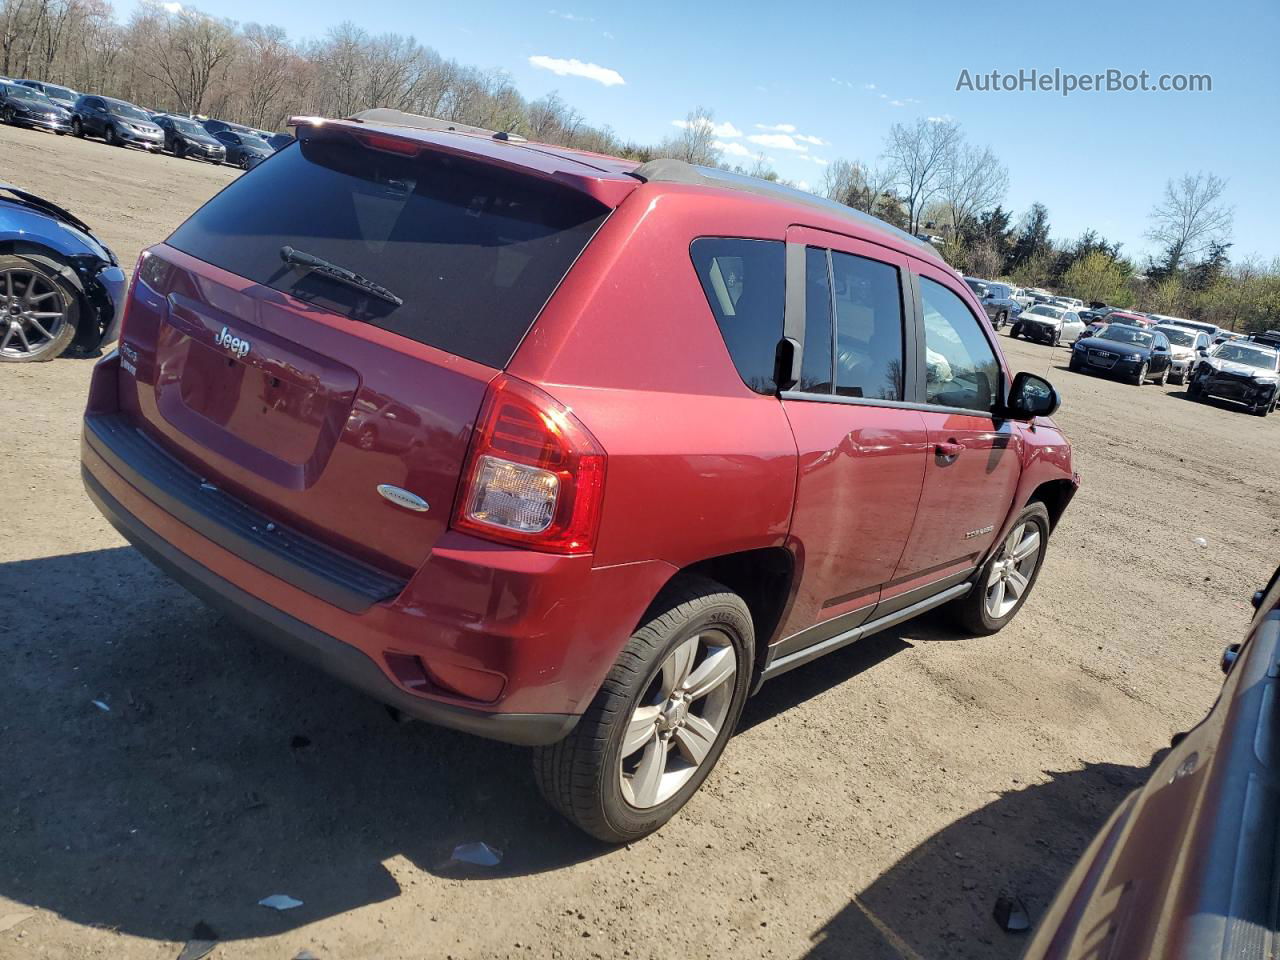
<point>874,804</point>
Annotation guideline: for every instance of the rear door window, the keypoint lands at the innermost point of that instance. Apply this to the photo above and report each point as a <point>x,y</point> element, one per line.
<point>473,251</point>
<point>744,283</point>
<point>869,328</point>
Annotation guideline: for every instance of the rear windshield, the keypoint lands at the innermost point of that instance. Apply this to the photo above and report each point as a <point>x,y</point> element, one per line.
<point>471,250</point>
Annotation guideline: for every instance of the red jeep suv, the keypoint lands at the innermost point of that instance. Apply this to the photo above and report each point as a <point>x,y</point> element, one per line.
<point>564,451</point>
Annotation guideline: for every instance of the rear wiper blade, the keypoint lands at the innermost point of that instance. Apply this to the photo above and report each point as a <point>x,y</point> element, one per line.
<point>299,258</point>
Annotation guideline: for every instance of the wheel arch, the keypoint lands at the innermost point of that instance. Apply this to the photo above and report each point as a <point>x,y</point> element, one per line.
<point>1055,495</point>
<point>763,577</point>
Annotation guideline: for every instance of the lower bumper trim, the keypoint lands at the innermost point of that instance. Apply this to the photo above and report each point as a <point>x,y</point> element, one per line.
<point>304,641</point>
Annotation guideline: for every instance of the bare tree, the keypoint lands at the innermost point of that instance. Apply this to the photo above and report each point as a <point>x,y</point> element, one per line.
<point>695,143</point>
<point>1190,217</point>
<point>266,66</point>
<point>974,181</point>
<point>187,52</point>
<point>919,156</point>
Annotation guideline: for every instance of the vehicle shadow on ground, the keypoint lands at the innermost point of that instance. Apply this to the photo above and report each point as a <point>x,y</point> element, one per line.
<point>222,771</point>
<point>938,900</point>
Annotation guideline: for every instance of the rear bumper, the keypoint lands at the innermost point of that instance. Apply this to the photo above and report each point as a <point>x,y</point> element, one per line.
<point>497,641</point>
<point>307,643</point>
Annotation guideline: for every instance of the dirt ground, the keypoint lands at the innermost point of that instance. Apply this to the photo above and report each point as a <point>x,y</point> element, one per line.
<point>873,805</point>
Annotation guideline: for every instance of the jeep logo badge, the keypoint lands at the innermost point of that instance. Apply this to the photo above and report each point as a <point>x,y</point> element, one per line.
<point>403,498</point>
<point>235,345</point>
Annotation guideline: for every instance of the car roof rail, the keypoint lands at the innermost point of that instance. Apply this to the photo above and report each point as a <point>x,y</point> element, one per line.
<point>398,118</point>
<point>670,170</point>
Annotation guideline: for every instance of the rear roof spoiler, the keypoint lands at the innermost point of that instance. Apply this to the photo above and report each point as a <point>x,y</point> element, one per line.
<point>384,116</point>
<point>484,146</point>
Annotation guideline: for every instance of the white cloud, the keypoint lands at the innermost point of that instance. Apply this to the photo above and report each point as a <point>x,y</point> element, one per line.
<point>576,68</point>
<point>778,127</point>
<point>732,149</point>
<point>607,35</point>
<point>780,141</point>
<point>945,118</point>
<point>808,138</point>
<point>896,103</point>
<point>884,96</point>
<point>910,100</point>
<point>868,86</point>
<point>802,184</point>
<point>725,130</point>
<point>171,7</point>
<point>571,16</point>
<point>842,83</point>
<point>812,159</point>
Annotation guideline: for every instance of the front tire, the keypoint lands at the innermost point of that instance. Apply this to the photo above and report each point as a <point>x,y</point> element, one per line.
<point>77,128</point>
<point>1142,375</point>
<point>109,135</point>
<point>661,718</point>
<point>1006,579</point>
<point>39,311</point>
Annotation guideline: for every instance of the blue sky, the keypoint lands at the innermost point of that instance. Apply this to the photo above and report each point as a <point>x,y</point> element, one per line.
<point>1096,160</point>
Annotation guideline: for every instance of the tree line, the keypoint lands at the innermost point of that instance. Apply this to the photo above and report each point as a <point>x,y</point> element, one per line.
<point>929,179</point>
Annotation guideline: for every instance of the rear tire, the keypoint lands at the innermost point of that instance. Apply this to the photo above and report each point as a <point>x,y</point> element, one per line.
<point>77,128</point>
<point>628,766</point>
<point>987,608</point>
<point>1164,377</point>
<point>1194,391</point>
<point>1002,318</point>
<point>1015,331</point>
<point>109,135</point>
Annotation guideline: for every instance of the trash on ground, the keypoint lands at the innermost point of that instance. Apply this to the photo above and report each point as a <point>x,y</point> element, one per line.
<point>203,940</point>
<point>101,706</point>
<point>11,920</point>
<point>1011,914</point>
<point>279,901</point>
<point>305,955</point>
<point>478,854</point>
<point>1200,542</point>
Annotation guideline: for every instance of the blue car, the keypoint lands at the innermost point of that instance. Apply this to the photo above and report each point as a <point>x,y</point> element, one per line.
<point>61,288</point>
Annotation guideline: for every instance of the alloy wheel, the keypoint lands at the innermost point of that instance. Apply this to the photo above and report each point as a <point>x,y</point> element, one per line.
<point>32,313</point>
<point>1010,575</point>
<point>678,719</point>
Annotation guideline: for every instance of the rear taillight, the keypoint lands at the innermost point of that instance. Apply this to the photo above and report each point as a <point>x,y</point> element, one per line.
<point>534,475</point>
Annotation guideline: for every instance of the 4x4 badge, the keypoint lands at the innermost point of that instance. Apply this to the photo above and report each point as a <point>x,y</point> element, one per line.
<point>403,498</point>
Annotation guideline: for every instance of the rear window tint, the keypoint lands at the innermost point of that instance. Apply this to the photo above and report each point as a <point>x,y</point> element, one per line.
<point>472,250</point>
<point>744,283</point>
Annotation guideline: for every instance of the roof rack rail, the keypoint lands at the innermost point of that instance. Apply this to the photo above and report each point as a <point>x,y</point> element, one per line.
<point>398,118</point>
<point>669,170</point>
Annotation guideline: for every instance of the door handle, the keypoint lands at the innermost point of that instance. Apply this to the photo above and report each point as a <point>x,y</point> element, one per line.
<point>949,449</point>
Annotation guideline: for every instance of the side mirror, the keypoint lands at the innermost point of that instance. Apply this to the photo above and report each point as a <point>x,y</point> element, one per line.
<point>1031,397</point>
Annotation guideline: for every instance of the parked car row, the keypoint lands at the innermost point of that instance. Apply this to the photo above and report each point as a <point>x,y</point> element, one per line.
<point>1246,372</point>
<point>47,106</point>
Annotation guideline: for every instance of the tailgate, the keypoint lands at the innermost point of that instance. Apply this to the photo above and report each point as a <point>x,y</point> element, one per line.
<point>297,413</point>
